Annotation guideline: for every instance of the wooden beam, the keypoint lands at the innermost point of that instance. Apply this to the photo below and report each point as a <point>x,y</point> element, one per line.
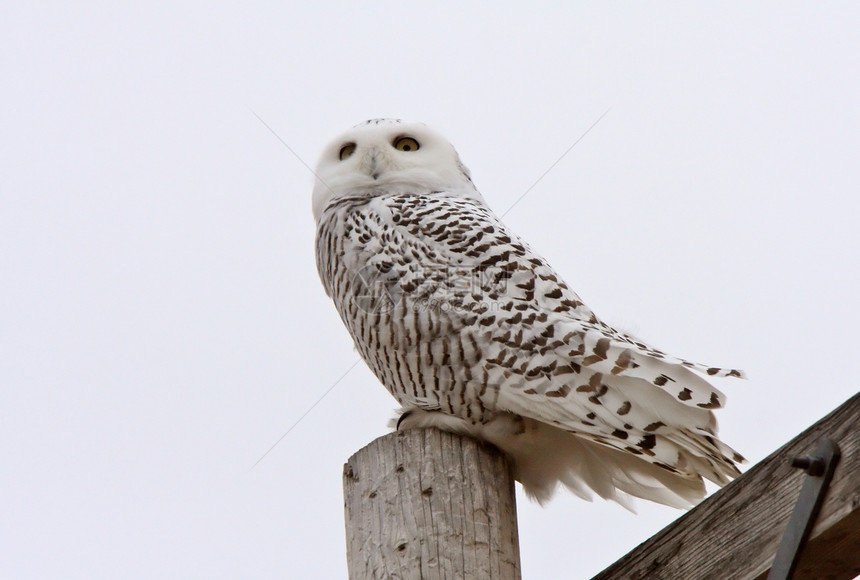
<point>425,504</point>
<point>735,532</point>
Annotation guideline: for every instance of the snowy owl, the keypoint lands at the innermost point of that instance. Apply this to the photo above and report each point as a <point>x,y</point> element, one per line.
<point>474,333</point>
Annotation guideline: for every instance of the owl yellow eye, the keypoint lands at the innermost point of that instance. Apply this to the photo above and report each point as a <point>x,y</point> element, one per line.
<point>346,151</point>
<point>406,144</point>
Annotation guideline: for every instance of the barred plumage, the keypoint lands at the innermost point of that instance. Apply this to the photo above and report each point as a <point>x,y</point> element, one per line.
<point>473,332</point>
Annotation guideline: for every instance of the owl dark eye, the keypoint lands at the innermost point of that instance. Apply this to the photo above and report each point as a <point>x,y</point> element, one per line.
<point>406,144</point>
<point>346,151</point>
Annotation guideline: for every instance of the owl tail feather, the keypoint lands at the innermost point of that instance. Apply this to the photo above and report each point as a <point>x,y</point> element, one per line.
<point>544,456</point>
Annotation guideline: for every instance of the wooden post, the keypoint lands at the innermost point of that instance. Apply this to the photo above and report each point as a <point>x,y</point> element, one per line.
<point>426,504</point>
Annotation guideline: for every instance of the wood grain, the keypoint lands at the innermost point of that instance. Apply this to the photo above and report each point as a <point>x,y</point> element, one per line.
<point>426,504</point>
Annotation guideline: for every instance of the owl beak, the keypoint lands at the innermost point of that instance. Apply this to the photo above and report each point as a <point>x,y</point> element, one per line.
<point>371,163</point>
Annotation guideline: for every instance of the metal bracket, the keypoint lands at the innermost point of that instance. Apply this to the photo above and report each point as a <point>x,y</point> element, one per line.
<point>819,468</point>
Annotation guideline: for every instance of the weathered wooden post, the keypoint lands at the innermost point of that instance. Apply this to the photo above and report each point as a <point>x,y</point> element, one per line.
<point>426,504</point>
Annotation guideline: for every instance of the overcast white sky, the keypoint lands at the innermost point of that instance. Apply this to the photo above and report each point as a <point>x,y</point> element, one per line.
<point>162,323</point>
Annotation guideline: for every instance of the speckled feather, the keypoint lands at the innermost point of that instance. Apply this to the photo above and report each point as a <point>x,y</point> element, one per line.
<point>473,332</point>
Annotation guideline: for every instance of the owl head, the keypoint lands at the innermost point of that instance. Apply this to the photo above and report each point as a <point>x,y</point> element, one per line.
<point>390,156</point>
